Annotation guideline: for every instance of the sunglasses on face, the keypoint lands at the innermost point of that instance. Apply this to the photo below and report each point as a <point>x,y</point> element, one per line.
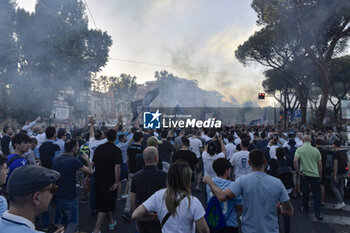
<point>52,189</point>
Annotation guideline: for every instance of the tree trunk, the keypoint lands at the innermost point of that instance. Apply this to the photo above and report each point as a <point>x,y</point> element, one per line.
<point>303,108</point>
<point>321,111</point>
<point>303,105</point>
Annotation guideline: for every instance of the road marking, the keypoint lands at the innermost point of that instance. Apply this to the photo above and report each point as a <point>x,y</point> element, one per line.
<point>332,219</point>
<point>331,207</point>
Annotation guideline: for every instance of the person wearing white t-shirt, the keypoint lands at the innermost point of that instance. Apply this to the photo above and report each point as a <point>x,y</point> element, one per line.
<point>196,146</point>
<point>230,147</point>
<point>299,139</point>
<point>273,146</point>
<point>210,154</point>
<point>204,135</point>
<point>97,137</point>
<point>239,160</point>
<point>187,216</point>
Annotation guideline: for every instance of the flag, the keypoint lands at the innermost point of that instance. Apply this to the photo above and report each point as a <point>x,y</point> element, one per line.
<point>136,107</point>
<point>150,96</point>
<point>139,105</point>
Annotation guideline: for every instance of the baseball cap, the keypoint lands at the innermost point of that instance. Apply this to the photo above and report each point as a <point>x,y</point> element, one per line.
<point>153,141</point>
<point>29,179</point>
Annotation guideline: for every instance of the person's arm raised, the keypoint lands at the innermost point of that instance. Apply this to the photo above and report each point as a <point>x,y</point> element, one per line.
<point>92,130</point>
<point>119,122</point>
<point>222,195</point>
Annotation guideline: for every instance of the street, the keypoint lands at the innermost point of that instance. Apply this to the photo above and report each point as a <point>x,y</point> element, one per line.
<point>334,220</point>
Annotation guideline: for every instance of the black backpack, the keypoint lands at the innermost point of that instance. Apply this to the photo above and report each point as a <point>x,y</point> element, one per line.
<point>285,174</point>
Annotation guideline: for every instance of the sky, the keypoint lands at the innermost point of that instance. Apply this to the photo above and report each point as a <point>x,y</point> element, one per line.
<point>193,39</point>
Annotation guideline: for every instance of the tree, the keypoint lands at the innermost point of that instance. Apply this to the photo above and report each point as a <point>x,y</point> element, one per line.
<point>57,51</point>
<point>276,84</point>
<point>8,53</point>
<point>322,26</point>
<point>124,88</point>
<point>272,48</point>
<point>340,83</point>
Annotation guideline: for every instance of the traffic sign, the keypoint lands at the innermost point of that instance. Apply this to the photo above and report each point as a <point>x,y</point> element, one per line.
<point>297,113</point>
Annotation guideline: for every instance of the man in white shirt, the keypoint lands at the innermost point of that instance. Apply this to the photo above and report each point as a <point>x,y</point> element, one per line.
<point>273,146</point>
<point>239,160</point>
<point>230,147</point>
<point>28,126</point>
<point>299,139</point>
<point>61,139</point>
<point>196,147</point>
<point>210,154</point>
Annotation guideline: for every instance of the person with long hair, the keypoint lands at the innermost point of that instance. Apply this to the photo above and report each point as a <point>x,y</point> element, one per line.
<point>175,207</point>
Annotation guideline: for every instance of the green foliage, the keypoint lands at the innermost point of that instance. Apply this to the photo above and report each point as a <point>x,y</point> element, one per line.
<point>53,50</point>
<point>296,33</point>
<point>8,53</point>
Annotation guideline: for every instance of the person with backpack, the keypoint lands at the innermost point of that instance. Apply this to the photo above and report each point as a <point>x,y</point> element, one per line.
<point>280,169</point>
<point>290,148</point>
<point>21,143</point>
<point>221,217</point>
<point>261,194</point>
<point>175,207</point>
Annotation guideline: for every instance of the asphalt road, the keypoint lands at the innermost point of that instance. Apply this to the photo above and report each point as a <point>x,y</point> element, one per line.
<point>335,221</point>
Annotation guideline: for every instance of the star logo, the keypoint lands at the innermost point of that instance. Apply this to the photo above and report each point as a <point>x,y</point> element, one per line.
<point>151,120</point>
<point>156,115</point>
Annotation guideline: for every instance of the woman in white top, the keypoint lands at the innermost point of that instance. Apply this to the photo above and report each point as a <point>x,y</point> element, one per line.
<point>185,217</point>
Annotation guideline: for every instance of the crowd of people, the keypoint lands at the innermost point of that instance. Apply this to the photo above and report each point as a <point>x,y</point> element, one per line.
<point>248,171</point>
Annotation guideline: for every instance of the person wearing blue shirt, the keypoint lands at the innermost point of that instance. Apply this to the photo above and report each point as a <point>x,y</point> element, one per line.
<point>261,194</point>
<point>67,165</point>
<point>21,143</point>
<point>222,168</point>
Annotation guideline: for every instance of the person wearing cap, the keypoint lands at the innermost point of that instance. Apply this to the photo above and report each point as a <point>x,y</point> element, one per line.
<point>30,188</point>
<point>153,141</point>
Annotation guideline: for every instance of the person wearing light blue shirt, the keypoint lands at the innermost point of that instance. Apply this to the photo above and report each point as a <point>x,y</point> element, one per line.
<point>31,188</point>
<point>261,195</point>
<point>222,168</point>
